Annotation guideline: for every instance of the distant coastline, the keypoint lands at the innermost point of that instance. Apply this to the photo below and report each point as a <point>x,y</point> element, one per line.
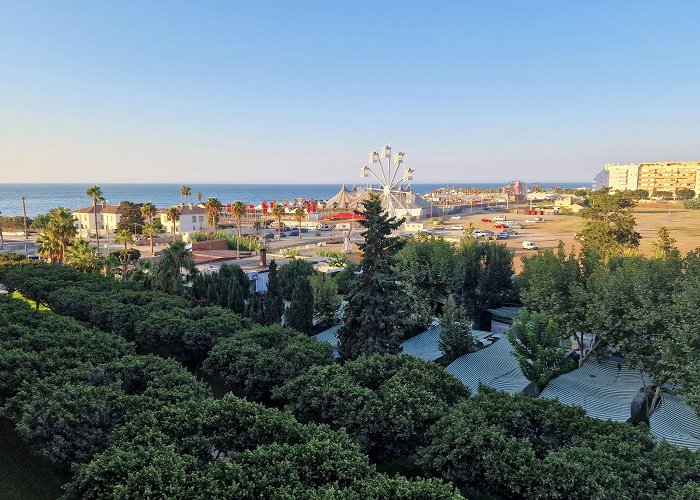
<point>41,197</point>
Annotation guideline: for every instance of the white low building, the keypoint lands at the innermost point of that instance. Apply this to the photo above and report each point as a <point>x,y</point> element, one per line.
<point>107,219</point>
<point>192,218</point>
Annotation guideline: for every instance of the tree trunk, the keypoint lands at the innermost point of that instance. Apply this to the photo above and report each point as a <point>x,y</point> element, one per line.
<point>151,238</point>
<point>654,400</point>
<point>299,227</point>
<point>2,239</point>
<point>97,227</point>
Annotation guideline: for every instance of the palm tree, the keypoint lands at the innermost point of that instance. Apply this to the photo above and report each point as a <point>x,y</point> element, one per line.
<point>199,197</point>
<point>124,236</point>
<point>81,255</point>
<point>2,238</point>
<point>125,256</point>
<point>257,225</point>
<point>185,192</point>
<point>107,264</point>
<point>95,192</point>
<point>238,210</point>
<point>148,211</point>
<point>58,234</point>
<point>278,212</point>
<point>167,273</point>
<point>150,230</point>
<point>213,209</point>
<point>299,215</point>
<point>173,215</point>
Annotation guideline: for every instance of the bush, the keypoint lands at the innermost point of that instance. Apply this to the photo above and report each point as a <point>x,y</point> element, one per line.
<point>692,204</point>
<point>262,358</point>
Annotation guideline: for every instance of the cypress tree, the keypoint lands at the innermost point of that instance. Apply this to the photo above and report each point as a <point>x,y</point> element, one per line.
<point>300,313</point>
<point>235,297</point>
<point>273,303</point>
<point>371,316</point>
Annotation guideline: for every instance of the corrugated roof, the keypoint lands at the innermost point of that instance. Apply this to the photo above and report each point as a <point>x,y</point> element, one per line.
<point>676,422</point>
<point>494,366</point>
<point>329,336</point>
<point>425,345</point>
<point>505,312</point>
<point>604,389</point>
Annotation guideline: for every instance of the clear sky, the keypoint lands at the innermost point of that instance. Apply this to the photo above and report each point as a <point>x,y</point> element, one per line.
<point>301,91</point>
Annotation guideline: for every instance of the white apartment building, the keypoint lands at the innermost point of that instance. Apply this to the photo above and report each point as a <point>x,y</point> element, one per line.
<point>651,176</point>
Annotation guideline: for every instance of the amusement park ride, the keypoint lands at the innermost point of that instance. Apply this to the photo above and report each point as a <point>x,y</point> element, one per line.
<point>390,188</point>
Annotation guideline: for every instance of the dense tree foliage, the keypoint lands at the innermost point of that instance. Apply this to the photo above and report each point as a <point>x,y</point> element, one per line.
<point>289,273</point>
<point>456,338</point>
<point>262,358</point>
<point>273,303</point>
<point>485,277</point>
<point>520,447</point>
<point>325,297</point>
<point>537,345</point>
<point>371,315</point>
<point>130,217</point>
<point>426,267</point>
<point>229,287</point>
<point>386,403</point>
<point>610,225</point>
<point>300,313</point>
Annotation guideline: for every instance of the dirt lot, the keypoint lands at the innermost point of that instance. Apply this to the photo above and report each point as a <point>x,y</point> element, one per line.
<point>684,226</point>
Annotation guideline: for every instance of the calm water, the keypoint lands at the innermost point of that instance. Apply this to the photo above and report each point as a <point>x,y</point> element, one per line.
<point>42,197</point>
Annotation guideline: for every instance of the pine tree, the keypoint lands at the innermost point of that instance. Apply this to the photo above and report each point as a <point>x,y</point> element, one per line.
<point>235,300</point>
<point>371,316</point>
<point>254,308</point>
<point>300,313</point>
<point>274,303</point>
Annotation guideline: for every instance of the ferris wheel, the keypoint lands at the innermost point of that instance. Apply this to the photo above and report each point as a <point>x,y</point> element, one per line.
<point>386,173</point>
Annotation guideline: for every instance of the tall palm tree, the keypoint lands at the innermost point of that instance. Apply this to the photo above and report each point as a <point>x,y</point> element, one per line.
<point>199,197</point>
<point>213,209</point>
<point>173,215</point>
<point>278,212</point>
<point>95,192</point>
<point>81,255</point>
<point>299,215</point>
<point>148,211</point>
<point>150,230</point>
<point>238,210</point>
<point>58,234</point>
<point>168,272</point>
<point>257,225</point>
<point>185,192</point>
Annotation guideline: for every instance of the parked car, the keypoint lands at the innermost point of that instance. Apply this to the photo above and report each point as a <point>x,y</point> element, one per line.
<point>502,235</point>
<point>293,232</point>
<point>439,228</point>
<point>515,225</point>
<point>485,233</point>
<point>458,227</point>
<point>500,217</point>
<point>455,217</point>
<point>485,220</point>
<point>530,245</point>
<point>531,221</point>
<point>511,232</point>
<point>500,226</point>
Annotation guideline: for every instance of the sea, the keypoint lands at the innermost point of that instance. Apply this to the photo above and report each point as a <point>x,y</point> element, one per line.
<point>40,198</point>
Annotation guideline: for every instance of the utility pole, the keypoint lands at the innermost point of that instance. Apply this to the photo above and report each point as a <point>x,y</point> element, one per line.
<point>24,211</point>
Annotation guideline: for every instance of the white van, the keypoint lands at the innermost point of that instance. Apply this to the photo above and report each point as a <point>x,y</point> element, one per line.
<point>530,245</point>
<point>499,217</point>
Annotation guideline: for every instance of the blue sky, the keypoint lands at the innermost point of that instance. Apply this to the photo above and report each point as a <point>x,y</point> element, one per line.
<point>302,91</point>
